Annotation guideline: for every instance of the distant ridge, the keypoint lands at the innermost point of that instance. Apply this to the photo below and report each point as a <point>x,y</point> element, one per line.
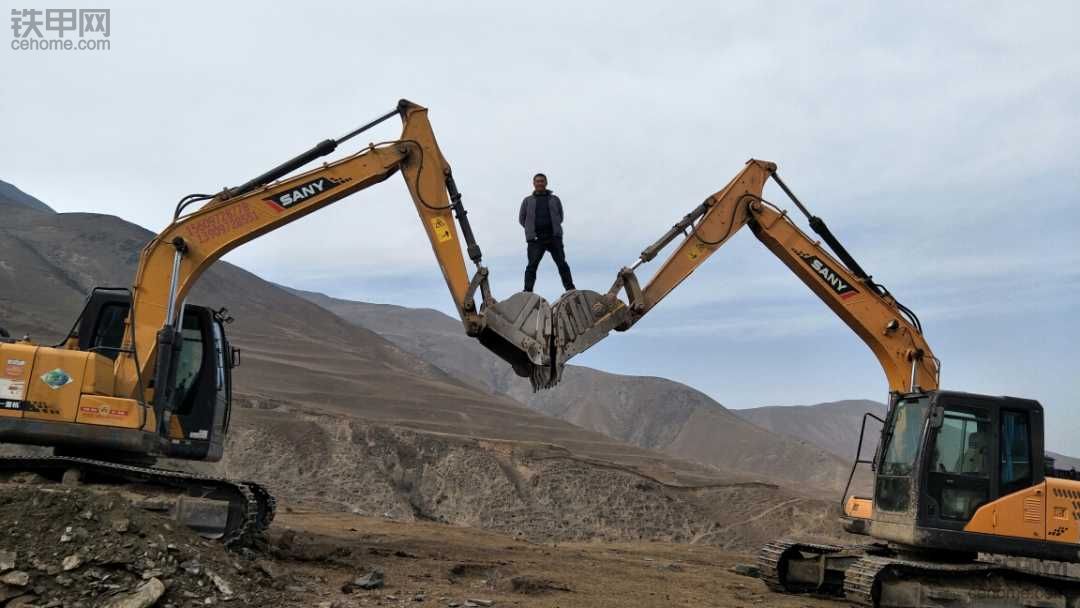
<point>833,426</point>
<point>11,195</point>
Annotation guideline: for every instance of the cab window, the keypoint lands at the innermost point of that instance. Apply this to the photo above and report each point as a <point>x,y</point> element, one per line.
<point>904,439</point>
<point>960,464</point>
<point>893,480</point>
<point>109,331</point>
<point>189,366</point>
<point>1016,472</point>
<point>219,348</point>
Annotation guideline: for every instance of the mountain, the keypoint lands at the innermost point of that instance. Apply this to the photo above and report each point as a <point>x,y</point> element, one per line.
<point>1064,462</point>
<point>833,426</point>
<point>13,197</point>
<point>649,412</point>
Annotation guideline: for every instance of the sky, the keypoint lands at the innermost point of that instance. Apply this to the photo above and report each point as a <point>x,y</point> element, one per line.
<point>937,139</point>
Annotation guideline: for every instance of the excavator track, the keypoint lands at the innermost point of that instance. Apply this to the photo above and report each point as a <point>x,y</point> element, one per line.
<point>251,507</point>
<point>773,556</point>
<point>875,575</point>
<point>267,505</point>
<point>894,582</point>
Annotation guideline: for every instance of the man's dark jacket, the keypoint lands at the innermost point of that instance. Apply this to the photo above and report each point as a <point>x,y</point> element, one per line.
<point>527,215</point>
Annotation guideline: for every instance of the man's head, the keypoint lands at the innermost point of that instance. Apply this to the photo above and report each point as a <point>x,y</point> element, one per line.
<point>539,182</point>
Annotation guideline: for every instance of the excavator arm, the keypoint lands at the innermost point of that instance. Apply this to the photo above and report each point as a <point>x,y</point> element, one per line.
<point>173,261</point>
<point>890,330</point>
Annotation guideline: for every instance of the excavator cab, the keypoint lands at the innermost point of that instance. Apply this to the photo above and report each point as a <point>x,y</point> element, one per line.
<point>950,465</point>
<point>201,380</point>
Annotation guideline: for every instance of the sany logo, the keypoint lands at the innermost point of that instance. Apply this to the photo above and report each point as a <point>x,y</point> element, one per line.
<point>303,192</point>
<point>830,276</point>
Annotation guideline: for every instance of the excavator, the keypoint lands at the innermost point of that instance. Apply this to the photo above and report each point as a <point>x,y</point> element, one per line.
<point>966,510</point>
<point>143,374</point>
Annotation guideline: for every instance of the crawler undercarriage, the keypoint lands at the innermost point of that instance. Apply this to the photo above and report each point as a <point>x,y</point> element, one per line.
<point>234,512</point>
<point>884,577</point>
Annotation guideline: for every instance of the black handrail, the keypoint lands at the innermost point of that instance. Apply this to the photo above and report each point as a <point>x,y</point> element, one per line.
<point>858,456</point>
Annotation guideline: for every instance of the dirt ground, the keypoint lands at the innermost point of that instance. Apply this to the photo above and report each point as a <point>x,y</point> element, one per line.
<point>90,547</point>
<point>427,564</point>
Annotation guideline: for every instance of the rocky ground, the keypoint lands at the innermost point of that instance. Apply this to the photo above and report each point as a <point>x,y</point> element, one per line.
<point>79,548</point>
<point>76,547</point>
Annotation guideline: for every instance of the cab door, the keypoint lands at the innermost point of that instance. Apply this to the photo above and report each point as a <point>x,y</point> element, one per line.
<point>960,465</point>
<point>202,387</point>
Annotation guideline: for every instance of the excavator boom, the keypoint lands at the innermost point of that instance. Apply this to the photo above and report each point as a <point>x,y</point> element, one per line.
<point>887,328</point>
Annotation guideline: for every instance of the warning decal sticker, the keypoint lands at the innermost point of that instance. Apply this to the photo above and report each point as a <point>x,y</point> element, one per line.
<point>442,229</point>
<point>13,368</point>
<point>14,390</point>
<point>697,250</point>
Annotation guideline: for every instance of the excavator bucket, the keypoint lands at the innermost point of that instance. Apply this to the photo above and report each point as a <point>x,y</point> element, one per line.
<point>518,330</point>
<point>537,339</point>
<point>582,318</point>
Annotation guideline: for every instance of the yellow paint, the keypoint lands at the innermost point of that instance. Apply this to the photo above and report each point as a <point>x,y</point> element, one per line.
<point>175,430</point>
<point>859,508</point>
<point>150,423</point>
<point>1021,514</point>
<point>1063,505</point>
<point>99,378</point>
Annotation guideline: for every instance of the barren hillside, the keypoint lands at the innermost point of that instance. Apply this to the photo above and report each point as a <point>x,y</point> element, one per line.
<point>535,490</point>
<point>654,413</point>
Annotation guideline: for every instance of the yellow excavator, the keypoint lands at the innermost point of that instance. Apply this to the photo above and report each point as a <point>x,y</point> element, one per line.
<point>966,508</point>
<point>143,374</point>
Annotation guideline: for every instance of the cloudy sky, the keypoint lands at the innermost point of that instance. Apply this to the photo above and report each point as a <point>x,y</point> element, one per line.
<point>939,143</point>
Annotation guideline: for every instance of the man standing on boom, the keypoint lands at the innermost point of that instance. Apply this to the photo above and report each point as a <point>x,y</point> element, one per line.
<point>541,216</point>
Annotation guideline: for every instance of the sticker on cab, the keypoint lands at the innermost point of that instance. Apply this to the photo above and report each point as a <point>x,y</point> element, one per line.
<point>14,390</point>
<point>13,368</point>
<point>56,379</point>
<point>103,411</point>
